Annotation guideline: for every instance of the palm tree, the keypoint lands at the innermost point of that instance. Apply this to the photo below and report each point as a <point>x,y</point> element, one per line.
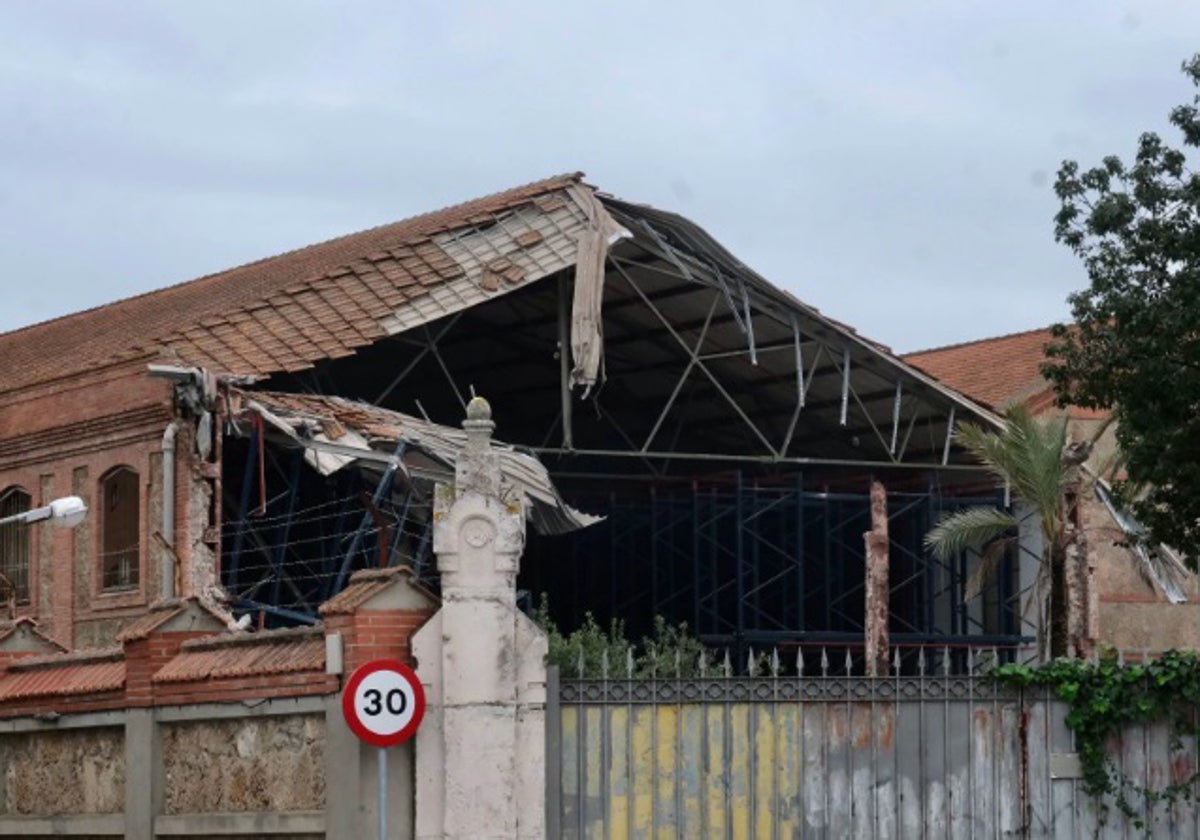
<point>1033,460</point>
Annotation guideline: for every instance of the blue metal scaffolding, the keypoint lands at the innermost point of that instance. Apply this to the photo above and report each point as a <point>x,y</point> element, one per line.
<point>756,563</point>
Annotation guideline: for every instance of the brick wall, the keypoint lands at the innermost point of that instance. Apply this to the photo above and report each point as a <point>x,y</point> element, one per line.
<point>59,439</point>
<point>377,634</point>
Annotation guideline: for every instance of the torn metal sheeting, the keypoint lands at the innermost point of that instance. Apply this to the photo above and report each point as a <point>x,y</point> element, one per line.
<point>1160,565</point>
<point>431,449</point>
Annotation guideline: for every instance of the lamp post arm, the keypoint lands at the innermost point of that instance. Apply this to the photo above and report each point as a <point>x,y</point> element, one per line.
<point>28,517</point>
<point>68,512</point>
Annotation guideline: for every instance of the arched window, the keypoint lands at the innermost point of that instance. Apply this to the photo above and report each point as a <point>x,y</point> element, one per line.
<point>120,532</point>
<point>14,545</point>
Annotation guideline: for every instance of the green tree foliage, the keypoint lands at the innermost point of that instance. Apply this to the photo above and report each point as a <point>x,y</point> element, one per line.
<point>1135,345</point>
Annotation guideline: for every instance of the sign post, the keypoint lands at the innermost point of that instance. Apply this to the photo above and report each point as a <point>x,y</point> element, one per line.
<point>383,704</point>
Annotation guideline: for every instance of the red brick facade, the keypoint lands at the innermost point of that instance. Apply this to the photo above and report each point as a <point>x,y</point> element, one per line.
<point>60,438</point>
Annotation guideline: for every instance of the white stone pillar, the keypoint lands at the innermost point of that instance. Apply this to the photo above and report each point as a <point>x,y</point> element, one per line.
<point>481,750</point>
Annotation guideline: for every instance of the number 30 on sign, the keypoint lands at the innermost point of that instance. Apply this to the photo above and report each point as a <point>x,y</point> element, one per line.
<point>383,702</point>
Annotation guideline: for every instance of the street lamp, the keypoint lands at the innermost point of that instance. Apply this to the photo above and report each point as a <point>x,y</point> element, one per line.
<point>66,512</point>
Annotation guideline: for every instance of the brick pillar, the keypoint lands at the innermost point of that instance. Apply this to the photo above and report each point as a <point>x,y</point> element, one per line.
<point>481,750</point>
<point>155,639</point>
<point>374,617</point>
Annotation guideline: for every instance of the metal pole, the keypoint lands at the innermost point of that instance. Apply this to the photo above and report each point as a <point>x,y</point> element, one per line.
<point>382,805</point>
<point>28,517</point>
<point>564,363</point>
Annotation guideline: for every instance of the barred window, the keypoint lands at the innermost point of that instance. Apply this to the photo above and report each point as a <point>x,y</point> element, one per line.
<point>120,541</point>
<point>14,546</point>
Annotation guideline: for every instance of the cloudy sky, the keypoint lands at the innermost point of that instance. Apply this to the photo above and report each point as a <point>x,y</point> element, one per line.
<point>890,163</point>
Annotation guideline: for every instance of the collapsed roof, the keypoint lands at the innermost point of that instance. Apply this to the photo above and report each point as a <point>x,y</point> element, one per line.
<point>335,432</point>
<point>677,349</point>
<point>722,426</point>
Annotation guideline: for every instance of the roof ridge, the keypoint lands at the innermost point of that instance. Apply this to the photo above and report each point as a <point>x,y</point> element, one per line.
<point>57,660</point>
<point>275,636</point>
<point>575,177</point>
<point>909,353</point>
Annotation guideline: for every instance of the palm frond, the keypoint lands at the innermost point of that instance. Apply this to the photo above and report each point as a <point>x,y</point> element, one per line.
<point>1028,455</point>
<point>989,563</point>
<point>972,528</point>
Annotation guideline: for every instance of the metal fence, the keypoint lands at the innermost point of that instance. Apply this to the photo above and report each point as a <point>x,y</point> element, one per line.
<point>923,756</point>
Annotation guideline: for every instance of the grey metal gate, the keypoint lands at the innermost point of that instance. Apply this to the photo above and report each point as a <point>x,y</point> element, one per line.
<point>916,756</point>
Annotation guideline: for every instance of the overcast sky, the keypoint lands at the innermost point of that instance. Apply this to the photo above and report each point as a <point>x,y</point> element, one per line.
<point>890,163</point>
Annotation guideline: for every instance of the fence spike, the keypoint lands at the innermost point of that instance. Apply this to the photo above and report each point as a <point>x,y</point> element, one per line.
<point>629,662</point>
<point>604,663</point>
<point>727,665</point>
<point>896,661</point>
<point>921,661</point>
<point>824,662</point>
<point>702,665</point>
<point>970,661</point>
<point>995,658</point>
<point>775,662</point>
<point>946,660</point>
<point>849,662</point>
<point>579,663</point>
<point>677,668</point>
<point>799,661</point>
<point>751,661</point>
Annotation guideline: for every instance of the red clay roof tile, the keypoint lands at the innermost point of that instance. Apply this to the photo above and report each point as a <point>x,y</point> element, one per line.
<point>62,675</point>
<point>163,321</point>
<point>365,583</point>
<point>269,652</point>
<point>992,371</point>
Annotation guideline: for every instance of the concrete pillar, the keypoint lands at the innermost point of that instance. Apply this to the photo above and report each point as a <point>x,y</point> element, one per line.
<point>143,773</point>
<point>481,749</point>
<point>345,808</point>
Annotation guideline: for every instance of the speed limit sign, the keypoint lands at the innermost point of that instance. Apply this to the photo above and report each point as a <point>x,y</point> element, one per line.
<point>383,702</point>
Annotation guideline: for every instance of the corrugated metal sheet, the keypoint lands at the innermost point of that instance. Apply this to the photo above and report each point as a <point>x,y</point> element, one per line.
<point>337,431</point>
<point>832,757</point>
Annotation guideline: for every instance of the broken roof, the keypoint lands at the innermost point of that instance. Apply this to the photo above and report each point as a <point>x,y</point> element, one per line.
<point>336,431</point>
<point>279,313</point>
<point>647,283</point>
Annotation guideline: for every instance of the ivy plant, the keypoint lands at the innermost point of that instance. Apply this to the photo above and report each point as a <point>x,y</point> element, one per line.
<point>1106,697</point>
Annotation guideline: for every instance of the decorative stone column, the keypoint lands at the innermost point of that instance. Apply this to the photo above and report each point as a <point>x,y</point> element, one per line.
<point>481,750</point>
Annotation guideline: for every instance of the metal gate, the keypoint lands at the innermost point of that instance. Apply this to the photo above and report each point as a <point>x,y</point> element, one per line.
<point>908,756</point>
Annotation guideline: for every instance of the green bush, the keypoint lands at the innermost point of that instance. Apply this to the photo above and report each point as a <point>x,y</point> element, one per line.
<point>593,652</point>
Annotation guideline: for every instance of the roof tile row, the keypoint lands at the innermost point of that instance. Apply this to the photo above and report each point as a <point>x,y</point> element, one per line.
<point>281,313</point>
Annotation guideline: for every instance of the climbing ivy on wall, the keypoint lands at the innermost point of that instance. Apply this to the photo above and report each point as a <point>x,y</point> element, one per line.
<point>1105,698</point>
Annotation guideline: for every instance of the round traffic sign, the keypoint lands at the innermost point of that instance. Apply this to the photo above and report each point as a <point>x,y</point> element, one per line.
<point>383,702</point>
